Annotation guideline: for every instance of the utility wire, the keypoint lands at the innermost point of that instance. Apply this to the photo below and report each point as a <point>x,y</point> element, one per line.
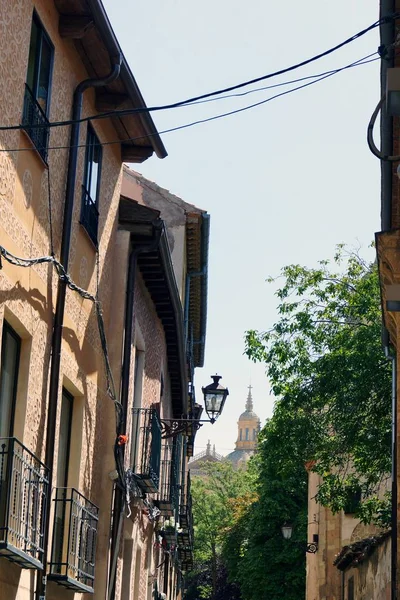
<point>328,74</point>
<point>283,83</point>
<point>130,111</point>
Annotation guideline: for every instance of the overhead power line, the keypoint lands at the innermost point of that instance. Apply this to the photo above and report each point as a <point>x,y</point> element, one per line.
<point>189,101</point>
<point>317,78</point>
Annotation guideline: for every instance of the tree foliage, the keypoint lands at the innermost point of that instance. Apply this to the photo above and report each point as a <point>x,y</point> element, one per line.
<point>330,378</point>
<point>259,559</point>
<point>219,498</point>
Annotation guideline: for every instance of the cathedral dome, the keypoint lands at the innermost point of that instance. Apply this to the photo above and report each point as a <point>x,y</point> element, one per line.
<point>248,430</point>
<point>249,414</point>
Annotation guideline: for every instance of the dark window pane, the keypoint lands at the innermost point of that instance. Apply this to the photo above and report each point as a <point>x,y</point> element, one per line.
<point>64,439</point>
<point>44,74</point>
<point>247,434</point>
<point>89,212</point>
<point>10,351</point>
<point>350,593</point>
<point>33,53</point>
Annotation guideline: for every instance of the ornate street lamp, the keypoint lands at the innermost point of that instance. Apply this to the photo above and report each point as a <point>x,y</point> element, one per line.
<point>214,398</point>
<point>287,530</point>
<point>310,547</point>
<point>215,395</point>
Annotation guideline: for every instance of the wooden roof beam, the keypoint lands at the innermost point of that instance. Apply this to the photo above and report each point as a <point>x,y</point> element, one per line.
<point>135,154</point>
<point>74,27</point>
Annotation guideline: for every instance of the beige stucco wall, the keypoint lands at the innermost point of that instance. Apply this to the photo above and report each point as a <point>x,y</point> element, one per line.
<point>27,296</point>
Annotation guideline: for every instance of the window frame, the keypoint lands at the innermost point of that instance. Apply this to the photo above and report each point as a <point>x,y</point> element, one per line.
<point>350,588</point>
<point>7,329</point>
<point>42,34</point>
<point>70,398</point>
<point>92,140</point>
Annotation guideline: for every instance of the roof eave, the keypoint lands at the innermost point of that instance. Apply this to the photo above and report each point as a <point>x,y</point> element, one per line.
<point>106,31</point>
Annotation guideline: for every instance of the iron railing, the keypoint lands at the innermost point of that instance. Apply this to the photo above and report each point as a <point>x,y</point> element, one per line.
<point>168,494</point>
<point>89,215</point>
<point>146,449</point>
<point>24,491</point>
<point>176,473</point>
<point>186,514</point>
<point>74,540</point>
<point>35,123</point>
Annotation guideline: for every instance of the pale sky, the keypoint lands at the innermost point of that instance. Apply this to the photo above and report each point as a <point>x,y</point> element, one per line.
<point>283,182</point>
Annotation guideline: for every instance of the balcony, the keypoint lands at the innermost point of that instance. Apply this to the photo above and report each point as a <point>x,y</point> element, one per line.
<point>146,449</point>
<point>35,123</point>
<point>89,215</point>
<point>74,541</point>
<point>23,499</point>
<point>185,509</point>
<point>167,499</point>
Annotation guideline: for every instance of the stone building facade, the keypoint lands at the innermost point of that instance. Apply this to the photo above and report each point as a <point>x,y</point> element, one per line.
<point>74,517</point>
<point>352,561</point>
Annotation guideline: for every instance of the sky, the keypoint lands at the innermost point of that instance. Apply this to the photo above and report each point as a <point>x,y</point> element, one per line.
<point>283,182</point>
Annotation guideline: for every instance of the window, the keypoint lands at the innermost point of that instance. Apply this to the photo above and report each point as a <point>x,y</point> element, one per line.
<point>254,435</point>
<point>247,434</point>
<point>350,589</point>
<point>137,402</point>
<point>37,89</point>
<point>64,440</point>
<point>91,185</point>
<point>10,355</point>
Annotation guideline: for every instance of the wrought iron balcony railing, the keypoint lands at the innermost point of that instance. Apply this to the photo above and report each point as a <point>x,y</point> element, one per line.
<point>146,449</point>
<point>35,123</point>
<point>168,496</point>
<point>89,215</point>
<point>24,495</point>
<point>185,508</point>
<point>74,541</point>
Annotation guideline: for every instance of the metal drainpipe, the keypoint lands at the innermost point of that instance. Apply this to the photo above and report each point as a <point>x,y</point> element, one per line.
<point>119,496</point>
<point>61,293</point>
<point>391,355</point>
<point>387,37</point>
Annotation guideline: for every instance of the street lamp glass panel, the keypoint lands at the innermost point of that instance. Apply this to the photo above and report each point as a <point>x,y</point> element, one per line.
<point>213,403</point>
<point>214,398</point>
<point>287,531</point>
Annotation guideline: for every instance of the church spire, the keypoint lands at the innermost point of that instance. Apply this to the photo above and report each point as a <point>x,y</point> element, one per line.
<point>249,403</point>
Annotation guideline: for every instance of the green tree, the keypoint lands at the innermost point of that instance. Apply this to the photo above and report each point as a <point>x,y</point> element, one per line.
<point>217,497</point>
<point>329,376</point>
<point>259,559</point>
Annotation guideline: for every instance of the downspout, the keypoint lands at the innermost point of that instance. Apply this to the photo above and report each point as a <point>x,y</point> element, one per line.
<point>119,495</point>
<point>391,355</point>
<point>387,37</point>
<point>61,294</point>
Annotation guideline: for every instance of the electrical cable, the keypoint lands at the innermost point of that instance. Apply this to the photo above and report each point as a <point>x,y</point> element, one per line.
<point>205,120</point>
<point>283,83</point>
<point>130,111</point>
<point>370,135</point>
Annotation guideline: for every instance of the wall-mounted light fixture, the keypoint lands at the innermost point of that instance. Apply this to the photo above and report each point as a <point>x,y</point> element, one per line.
<point>310,547</point>
<point>215,395</point>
